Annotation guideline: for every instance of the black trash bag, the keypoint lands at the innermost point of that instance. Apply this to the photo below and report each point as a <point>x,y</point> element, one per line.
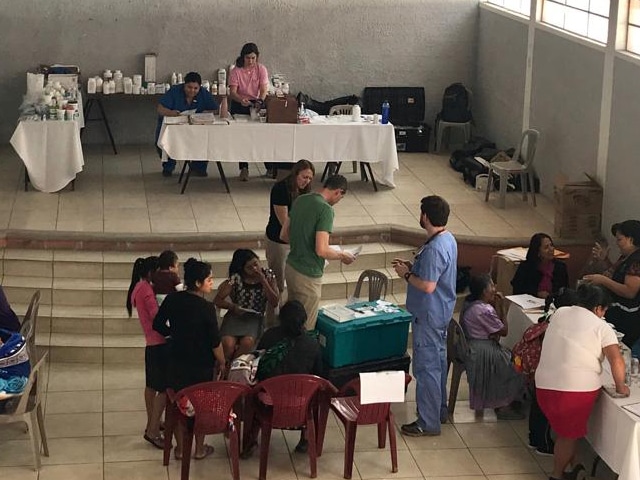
<point>322,108</point>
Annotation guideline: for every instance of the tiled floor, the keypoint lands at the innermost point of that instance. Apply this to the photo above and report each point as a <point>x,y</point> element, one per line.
<point>94,417</point>
<point>127,194</point>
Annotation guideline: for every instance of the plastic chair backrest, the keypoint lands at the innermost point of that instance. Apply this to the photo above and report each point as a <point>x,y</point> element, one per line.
<point>212,403</point>
<point>373,412</point>
<point>341,110</point>
<point>32,395</point>
<point>457,346</point>
<point>290,397</point>
<point>29,323</point>
<point>526,155</point>
<point>378,282</point>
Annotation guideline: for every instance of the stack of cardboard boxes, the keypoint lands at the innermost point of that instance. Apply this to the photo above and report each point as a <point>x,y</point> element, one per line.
<point>578,208</point>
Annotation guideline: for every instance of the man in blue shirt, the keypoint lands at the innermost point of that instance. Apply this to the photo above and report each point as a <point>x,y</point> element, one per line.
<point>431,297</point>
<point>187,96</point>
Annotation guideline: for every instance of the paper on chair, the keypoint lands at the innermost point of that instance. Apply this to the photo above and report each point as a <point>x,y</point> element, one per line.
<point>382,387</point>
<point>526,301</point>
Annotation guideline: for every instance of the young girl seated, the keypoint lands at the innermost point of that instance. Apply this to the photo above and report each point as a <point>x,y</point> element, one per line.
<point>245,295</point>
<point>493,382</point>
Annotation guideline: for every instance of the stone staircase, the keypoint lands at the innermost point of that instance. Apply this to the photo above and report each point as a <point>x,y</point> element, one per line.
<point>82,315</point>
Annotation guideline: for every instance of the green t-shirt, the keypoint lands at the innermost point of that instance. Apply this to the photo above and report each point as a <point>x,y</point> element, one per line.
<point>310,213</point>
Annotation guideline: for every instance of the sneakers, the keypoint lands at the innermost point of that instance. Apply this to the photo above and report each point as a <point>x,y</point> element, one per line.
<point>244,175</point>
<point>578,473</point>
<point>415,430</point>
<point>544,452</point>
<point>302,446</point>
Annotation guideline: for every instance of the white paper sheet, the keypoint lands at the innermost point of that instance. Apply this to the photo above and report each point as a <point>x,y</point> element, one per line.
<point>633,408</point>
<point>526,301</point>
<point>382,387</point>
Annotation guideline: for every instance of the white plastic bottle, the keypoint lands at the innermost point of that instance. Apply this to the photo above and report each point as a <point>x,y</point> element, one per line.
<point>107,75</point>
<point>91,85</point>
<point>174,79</point>
<point>127,85</point>
<point>180,79</point>
<point>99,83</point>
<point>117,78</point>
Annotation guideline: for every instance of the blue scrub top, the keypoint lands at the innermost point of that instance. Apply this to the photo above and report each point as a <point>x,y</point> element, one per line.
<point>435,262</point>
<point>175,99</point>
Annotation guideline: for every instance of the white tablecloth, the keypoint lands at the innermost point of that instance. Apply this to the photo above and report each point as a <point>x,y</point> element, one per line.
<point>51,152</point>
<point>264,142</point>
<point>518,322</point>
<point>614,433</point>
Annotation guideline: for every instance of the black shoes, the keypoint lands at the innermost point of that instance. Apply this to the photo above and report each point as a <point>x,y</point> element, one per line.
<point>415,430</point>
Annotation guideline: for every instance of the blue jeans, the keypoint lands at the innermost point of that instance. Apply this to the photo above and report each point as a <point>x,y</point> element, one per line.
<point>430,372</point>
<point>635,350</point>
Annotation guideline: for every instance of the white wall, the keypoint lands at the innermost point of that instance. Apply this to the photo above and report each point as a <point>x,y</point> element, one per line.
<point>327,48</point>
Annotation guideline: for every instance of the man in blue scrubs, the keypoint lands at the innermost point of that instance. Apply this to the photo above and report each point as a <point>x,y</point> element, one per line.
<point>187,96</point>
<point>431,297</point>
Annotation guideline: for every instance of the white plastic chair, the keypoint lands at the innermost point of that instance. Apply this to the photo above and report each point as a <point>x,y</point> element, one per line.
<point>29,411</point>
<point>520,164</point>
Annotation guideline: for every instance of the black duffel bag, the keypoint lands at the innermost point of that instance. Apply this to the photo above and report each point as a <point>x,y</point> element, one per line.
<point>322,108</point>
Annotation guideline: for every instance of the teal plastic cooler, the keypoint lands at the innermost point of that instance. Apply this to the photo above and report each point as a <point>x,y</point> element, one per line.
<point>363,339</point>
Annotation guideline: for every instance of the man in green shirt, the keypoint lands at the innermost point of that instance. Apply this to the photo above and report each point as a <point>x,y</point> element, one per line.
<point>307,230</point>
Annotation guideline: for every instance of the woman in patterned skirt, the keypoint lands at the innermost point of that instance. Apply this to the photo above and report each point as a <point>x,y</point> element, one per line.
<point>245,294</point>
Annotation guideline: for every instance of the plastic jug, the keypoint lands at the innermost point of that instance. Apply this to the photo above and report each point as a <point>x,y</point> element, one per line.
<point>356,112</point>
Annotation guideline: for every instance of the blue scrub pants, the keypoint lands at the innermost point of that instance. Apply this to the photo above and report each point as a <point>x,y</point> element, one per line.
<point>430,372</point>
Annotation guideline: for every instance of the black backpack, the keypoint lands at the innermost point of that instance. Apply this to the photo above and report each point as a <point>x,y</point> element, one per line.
<point>455,104</point>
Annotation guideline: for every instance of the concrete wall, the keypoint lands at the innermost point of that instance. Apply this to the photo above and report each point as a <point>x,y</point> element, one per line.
<point>565,107</point>
<point>622,195</point>
<point>500,77</point>
<point>326,48</point>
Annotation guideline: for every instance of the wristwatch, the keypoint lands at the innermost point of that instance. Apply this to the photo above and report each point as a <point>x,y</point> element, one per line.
<point>407,275</point>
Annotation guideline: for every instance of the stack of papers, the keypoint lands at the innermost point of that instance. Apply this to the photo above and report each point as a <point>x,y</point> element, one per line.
<point>202,119</point>
<point>527,302</point>
<point>182,120</point>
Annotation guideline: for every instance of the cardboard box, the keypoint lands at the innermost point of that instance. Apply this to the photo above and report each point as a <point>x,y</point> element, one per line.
<point>575,225</point>
<point>282,109</point>
<point>578,197</point>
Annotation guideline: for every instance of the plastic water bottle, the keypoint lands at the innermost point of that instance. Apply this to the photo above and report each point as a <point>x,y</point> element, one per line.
<point>385,112</point>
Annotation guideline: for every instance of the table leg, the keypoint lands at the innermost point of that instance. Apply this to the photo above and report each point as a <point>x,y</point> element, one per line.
<point>87,110</point>
<point>105,120</point>
<point>184,166</point>
<point>26,179</point>
<point>373,180</point>
<point>223,176</point>
<point>186,179</point>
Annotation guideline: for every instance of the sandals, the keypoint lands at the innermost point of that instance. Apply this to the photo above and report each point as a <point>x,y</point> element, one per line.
<point>208,450</point>
<point>157,442</point>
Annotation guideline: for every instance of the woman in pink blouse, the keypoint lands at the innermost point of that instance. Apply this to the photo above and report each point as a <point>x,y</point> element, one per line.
<point>141,297</point>
<point>248,84</point>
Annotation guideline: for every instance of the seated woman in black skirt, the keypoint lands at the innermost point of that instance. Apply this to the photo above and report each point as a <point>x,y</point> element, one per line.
<point>493,381</point>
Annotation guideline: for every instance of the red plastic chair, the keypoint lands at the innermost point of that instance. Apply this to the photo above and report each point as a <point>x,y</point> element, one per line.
<point>285,402</point>
<point>351,413</point>
<point>213,404</point>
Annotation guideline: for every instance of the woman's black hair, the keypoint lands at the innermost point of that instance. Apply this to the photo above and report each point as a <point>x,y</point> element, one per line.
<point>298,167</point>
<point>477,285</point>
<point>628,228</point>
<point>193,77</point>
<point>247,48</point>
<point>142,268</point>
<point>565,297</point>
<point>195,271</point>
<point>292,318</point>
<point>591,296</point>
<point>167,259</point>
<point>240,258</point>
<point>533,254</point>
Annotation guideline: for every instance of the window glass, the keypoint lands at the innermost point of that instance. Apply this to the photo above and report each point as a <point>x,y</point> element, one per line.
<point>520,6</point>
<point>587,18</point>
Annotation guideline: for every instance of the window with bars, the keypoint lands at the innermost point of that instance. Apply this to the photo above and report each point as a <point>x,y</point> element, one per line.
<point>633,29</point>
<point>519,6</point>
<point>587,18</point>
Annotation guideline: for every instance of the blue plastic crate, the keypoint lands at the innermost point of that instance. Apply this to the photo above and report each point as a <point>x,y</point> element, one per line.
<point>363,339</point>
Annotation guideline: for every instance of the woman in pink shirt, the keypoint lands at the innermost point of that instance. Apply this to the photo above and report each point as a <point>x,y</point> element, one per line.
<point>248,84</point>
<point>141,297</point>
